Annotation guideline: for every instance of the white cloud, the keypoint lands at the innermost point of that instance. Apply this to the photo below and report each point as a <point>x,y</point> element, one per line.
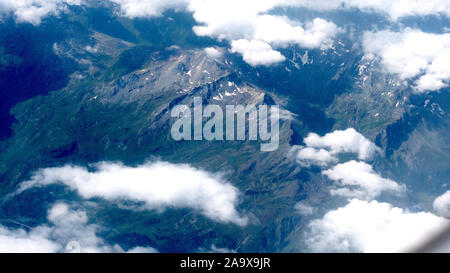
<point>157,185</point>
<point>363,226</point>
<point>413,53</point>
<point>21,241</point>
<point>256,52</point>
<point>72,226</point>
<point>228,19</point>
<point>213,52</point>
<point>144,8</point>
<point>68,231</point>
<point>442,205</point>
<point>353,178</point>
<point>344,141</point>
<point>279,30</point>
<point>307,156</point>
<point>358,179</point>
<point>395,9</point>
<point>246,25</point>
<point>272,29</point>
<point>32,11</point>
<point>322,151</point>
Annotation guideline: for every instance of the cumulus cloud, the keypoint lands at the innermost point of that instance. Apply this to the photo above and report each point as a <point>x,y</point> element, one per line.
<point>70,226</point>
<point>322,151</point>
<point>394,9</point>
<point>307,156</point>
<point>213,52</point>
<point>254,34</point>
<point>358,179</point>
<point>21,241</point>
<point>144,8</point>
<point>413,53</point>
<point>442,205</point>
<point>231,20</point>
<point>68,231</point>
<point>279,30</point>
<point>32,11</point>
<point>344,141</point>
<point>256,52</point>
<point>352,178</point>
<point>157,185</point>
<point>363,226</point>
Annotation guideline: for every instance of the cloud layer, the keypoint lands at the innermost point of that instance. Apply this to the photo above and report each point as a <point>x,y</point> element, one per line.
<point>363,226</point>
<point>157,185</point>
<point>394,9</point>
<point>413,54</point>
<point>219,17</point>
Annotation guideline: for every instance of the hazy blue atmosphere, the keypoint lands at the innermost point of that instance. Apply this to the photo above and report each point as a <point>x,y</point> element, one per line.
<point>88,162</point>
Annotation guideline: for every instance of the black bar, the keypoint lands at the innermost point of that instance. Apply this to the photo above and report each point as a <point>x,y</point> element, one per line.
<point>301,263</point>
